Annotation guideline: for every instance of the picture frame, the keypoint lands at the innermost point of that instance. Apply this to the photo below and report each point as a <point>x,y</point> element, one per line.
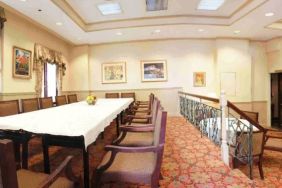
<point>114,72</point>
<point>153,70</point>
<point>22,63</point>
<point>199,79</point>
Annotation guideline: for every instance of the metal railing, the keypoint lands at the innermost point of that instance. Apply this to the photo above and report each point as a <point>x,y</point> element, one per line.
<point>214,119</point>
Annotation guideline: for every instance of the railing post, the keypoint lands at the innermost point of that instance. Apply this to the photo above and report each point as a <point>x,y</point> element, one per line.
<point>224,146</point>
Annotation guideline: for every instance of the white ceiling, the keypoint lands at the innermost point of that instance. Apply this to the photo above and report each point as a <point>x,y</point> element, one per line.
<point>82,23</point>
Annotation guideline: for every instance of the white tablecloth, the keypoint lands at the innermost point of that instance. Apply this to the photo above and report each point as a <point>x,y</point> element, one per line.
<point>76,119</point>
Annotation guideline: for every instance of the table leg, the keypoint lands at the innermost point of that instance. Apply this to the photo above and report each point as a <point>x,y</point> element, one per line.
<point>117,124</point>
<point>46,155</point>
<point>86,167</point>
<point>25,154</point>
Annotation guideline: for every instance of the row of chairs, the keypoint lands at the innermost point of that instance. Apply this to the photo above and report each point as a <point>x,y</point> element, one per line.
<point>136,155</point>
<point>122,95</point>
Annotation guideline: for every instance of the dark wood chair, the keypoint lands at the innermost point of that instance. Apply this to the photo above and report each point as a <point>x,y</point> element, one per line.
<point>112,95</point>
<point>128,95</point>
<point>124,164</point>
<point>135,135</point>
<point>72,98</point>
<point>257,145</point>
<point>61,100</point>
<point>10,178</point>
<point>46,102</point>
<point>129,110</point>
<point>19,137</point>
<point>29,105</point>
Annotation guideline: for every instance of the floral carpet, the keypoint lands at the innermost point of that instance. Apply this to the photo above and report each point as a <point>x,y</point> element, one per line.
<point>188,161</point>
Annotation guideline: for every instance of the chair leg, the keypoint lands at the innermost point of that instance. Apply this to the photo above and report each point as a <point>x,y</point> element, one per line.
<point>260,168</point>
<point>25,155</point>
<point>96,180</point>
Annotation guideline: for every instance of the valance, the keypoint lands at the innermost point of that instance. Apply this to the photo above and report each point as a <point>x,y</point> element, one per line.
<point>43,54</point>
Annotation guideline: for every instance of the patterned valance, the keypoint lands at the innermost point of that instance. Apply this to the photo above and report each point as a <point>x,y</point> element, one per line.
<point>43,54</point>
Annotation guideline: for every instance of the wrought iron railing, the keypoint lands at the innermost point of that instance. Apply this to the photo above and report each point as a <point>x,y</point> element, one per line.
<point>228,131</point>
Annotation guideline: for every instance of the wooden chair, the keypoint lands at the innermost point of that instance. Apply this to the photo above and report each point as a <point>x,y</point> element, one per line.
<point>129,110</point>
<point>72,98</point>
<point>128,95</point>
<point>61,100</point>
<point>46,102</point>
<point>257,145</point>
<point>112,95</point>
<point>19,137</point>
<point>134,164</point>
<point>135,135</point>
<point>29,105</point>
<point>10,178</point>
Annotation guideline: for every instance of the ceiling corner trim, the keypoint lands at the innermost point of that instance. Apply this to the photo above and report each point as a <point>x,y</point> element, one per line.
<point>66,8</point>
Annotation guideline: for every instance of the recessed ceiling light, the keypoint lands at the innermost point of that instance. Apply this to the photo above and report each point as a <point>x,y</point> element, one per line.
<point>210,4</point>
<point>119,33</point>
<point>269,14</point>
<point>237,31</point>
<point>23,0</point>
<point>157,31</point>
<point>201,30</point>
<point>109,8</point>
<point>39,10</point>
<point>59,23</point>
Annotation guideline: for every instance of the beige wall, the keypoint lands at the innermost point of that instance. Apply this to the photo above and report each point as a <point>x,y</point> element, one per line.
<point>22,33</point>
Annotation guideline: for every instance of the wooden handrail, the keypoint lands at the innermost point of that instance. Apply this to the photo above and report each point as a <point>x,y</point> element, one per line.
<point>200,96</point>
<point>230,105</point>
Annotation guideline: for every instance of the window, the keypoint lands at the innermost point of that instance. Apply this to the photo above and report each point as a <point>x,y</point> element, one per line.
<point>50,81</point>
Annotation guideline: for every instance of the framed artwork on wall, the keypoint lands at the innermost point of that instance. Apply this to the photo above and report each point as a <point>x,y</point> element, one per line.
<point>153,71</point>
<point>199,79</point>
<point>114,72</point>
<point>21,63</point>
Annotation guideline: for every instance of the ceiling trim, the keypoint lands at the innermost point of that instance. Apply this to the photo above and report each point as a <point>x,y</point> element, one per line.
<point>137,22</point>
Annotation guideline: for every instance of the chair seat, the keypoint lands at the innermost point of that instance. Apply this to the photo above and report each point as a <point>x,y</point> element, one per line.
<point>138,139</point>
<point>129,167</point>
<point>29,179</point>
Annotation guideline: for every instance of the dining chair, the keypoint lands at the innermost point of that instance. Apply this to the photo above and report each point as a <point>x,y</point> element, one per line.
<point>112,95</point>
<point>19,137</point>
<point>72,98</point>
<point>129,110</point>
<point>29,105</point>
<point>12,178</point>
<point>61,100</point>
<point>140,165</point>
<point>46,102</point>
<point>128,95</point>
<point>135,135</point>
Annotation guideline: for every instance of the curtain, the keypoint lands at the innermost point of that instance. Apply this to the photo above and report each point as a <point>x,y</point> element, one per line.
<point>45,55</point>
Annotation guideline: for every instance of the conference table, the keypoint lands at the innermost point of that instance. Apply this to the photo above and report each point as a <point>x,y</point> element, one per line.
<point>73,125</point>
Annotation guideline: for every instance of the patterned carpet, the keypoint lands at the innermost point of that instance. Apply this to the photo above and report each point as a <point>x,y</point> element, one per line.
<point>189,160</point>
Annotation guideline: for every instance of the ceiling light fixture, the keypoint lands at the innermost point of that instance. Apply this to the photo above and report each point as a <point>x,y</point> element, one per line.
<point>23,0</point>
<point>109,8</point>
<point>237,31</point>
<point>269,14</point>
<point>201,30</point>
<point>119,33</point>
<point>157,31</point>
<point>210,4</point>
<point>59,23</point>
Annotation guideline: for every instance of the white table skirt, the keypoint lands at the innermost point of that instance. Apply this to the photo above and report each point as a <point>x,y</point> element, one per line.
<point>76,119</point>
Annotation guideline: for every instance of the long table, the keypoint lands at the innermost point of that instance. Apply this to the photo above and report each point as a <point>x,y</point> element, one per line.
<point>72,125</point>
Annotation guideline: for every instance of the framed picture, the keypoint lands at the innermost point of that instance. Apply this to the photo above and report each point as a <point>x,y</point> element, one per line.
<point>199,79</point>
<point>21,63</point>
<point>153,71</point>
<point>114,72</point>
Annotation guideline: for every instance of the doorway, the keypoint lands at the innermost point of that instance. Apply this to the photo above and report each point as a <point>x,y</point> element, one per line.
<point>276,100</point>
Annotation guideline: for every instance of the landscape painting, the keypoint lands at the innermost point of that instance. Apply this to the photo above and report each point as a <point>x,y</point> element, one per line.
<point>153,71</point>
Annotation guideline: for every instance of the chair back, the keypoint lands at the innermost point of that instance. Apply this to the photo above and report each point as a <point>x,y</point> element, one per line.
<point>46,102</point>
<point>112,95</point>
<point>61,100</point>
<point>72,98</point>
<point>29,105</point>
<point>155,108</point>
<point>253,115</point>
<point>128,95</point>
<point>9,107</point>
<point>8,175</point>
<point>257,143</point>
<point>160,127</point>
